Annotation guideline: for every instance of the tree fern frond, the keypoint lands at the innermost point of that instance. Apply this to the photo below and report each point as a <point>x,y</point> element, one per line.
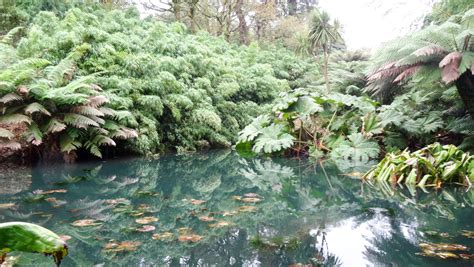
<point>450,67</point>
<point>79,121</point>
<point>98,100</point>
<point>103,140</point>
<point>429,50</point>
<point>68,143</point>
<point>99,120</point>
<point>57,73</point>
<point>54,126</point>
<point>11,97</point>
<point>36,107</point>
<point>15,118</point>
<point>87,110</point>
<point>10,145</point>
<point>34,134</point>
<point>8,38</point>
<point>406,73</point>
<point>4,133</point>
<point>107,111</point>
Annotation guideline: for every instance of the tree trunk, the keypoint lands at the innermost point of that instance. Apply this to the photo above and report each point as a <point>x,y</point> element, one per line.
<point>325,68</point>
<point>192,15</point>
<point>243,29</point>
<point>465,86</point>
<point>176,7</point>
<point>292,5</point>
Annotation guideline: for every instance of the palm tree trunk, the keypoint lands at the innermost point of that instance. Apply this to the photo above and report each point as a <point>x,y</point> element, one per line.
<point>325,69</point>
<point>465,86</point>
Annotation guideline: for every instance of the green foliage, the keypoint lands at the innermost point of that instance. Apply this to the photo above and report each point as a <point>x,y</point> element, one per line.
<point>181,91</point>
<point>306,120</point>
<point>356,148</point>
<point>433,165</point>
<point>27,237</point>
<point>59,108</point>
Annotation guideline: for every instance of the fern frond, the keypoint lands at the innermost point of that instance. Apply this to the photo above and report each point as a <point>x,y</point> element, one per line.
<point>79,121</point>
<point>54,126</point>
<point>10,145</point>
<point>98,100</point>
<point>34,134</point>
<point>8,38</point>
<point>107,111</point>
<point>15,118</point>
<point>87,110</point>
<point>124,133</point>
<point>4,133</point>
<point>103,140</point>
<point>11,97</point>
<point>68,143</point>
<point>36,107</point>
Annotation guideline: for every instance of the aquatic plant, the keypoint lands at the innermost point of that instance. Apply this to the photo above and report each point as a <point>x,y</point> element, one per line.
<point>27,237</point>
<point>433,165</point>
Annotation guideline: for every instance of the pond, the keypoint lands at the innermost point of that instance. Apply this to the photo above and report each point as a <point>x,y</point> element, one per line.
<point>219,209</point>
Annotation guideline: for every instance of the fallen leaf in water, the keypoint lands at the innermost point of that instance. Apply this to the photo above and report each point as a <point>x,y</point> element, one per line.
<point>250,200</point>
<point>117,201</point>
<point>439,254</point>
<point>146,228</point>
<point>252,195</point>
<point>197,201</point>
<point>163,236</point>
<point>146,220</point>
<point>220,224</point>
<point>7,205</point>
<point>442,247</point>
<point>229,213</point>
<point>247,209</point>
<point>206,219</point>
<point>113,246</point>
<point>468,234</point>
<point>41,192</point>
<point>467,256</point>
<point>65,237</point>
<point>146,193</point>
<point>86,222</point>
<point>184,230</point>
<point>190,238</point>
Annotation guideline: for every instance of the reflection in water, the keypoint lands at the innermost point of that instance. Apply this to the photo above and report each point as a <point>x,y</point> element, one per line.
<point>240,212</point>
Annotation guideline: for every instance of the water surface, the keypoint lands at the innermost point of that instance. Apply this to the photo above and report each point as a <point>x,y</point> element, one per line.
<point>265,212</point>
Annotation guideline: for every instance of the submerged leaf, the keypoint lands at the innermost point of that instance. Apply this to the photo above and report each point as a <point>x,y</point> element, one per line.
<point>163,236</point>
<point>190,238</point>
<point>85,222</point>
<point>124,246</point>
<point>220,224</point>
<point>7,205</point>
<point>206,219</point>
<point>146,228</point>
<point>146,220</point>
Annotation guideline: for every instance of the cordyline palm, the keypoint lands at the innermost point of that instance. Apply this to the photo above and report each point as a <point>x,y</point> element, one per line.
<point>322,34</point>
<point>443,52</point>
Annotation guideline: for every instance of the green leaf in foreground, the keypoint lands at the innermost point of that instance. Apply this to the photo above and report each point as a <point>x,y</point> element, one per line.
<point>273,139</point>
<point>27,237</point>
<point>356,148</point>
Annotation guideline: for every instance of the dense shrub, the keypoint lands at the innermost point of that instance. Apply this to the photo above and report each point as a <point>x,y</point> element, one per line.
<point>183,91</point>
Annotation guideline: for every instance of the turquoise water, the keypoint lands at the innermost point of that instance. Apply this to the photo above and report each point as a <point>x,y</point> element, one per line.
<point>264,212</point>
